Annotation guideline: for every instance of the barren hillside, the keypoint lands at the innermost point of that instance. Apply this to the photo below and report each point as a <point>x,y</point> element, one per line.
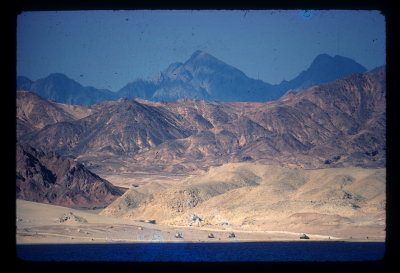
<point>261,197</point>
<point>50,178</point>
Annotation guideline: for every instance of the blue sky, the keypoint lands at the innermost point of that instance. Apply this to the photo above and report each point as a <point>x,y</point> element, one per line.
<point>108,49</point>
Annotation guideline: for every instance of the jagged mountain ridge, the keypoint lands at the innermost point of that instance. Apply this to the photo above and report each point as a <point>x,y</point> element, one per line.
<point>336,124</point>
<point>123,127</point>
<point>202,77</point>
<point>207,78</point>
<point>341,123</point>
<point>48,178</point>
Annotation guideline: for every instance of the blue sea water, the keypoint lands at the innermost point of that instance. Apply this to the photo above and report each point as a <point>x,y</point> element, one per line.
<point>205,252</point>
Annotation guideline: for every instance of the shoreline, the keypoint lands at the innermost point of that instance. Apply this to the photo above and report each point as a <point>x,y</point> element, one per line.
<point>194,242</point>
<point>38,223</point>
<point>51,238</point>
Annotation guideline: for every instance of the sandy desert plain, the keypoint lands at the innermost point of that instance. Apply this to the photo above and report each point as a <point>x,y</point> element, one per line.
<point>255,202</point>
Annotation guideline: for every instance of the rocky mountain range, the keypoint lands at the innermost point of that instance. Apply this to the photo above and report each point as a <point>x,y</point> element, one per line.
<point>50,178</point>
<point>311,158</point>
<point>202,77</point>
<point>340,123</point>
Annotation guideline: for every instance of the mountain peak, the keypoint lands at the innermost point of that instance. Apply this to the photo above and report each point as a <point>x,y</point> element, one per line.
<point>323,56</point>
<point>322,59</point>
<point>201,56</point>
<point>325,68</point>
<point>60,88</point>
<point>337,62</point>
<point>58,76</point>
<point>197,53</point>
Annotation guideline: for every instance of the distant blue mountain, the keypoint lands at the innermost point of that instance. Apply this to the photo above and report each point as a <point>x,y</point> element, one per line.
<point>378,68</point>
<point>324,69</point>
<point>23,83</point>
<point>202,77</point>
<point>138,89</point>
<point>58,87</point>
<point>207,78</point>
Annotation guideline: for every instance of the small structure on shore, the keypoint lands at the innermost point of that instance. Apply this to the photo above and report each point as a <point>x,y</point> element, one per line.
<point>232,235</point>
<point>70,217</point>
<point>211,235</point>
<point>178,235</point>
<point>195,219</point>
<point>304,236</point>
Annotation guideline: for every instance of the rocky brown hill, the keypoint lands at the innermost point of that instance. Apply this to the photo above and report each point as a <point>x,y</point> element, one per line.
<point>34,112</point>
<point>341,123</point>
<point>121,128</point>
<point>49,178</point>
<point>265,197</point>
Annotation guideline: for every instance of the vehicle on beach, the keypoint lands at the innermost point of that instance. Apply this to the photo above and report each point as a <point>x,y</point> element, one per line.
<point>304,236</point>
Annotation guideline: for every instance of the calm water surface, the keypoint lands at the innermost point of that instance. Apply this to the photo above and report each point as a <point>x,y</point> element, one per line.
<point>247,252</point>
